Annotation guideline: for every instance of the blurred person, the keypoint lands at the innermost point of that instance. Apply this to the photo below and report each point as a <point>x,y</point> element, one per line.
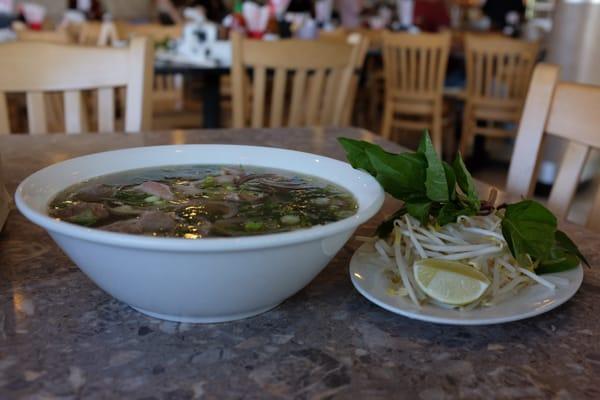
<point>214,10</point>
<point>302,6</point>
<point>350,12</point>
<point>91,9</point>
<point>498,10</point>
<point>431,15</point>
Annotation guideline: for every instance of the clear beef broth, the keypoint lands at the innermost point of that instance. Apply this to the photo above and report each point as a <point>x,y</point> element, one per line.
<point>195,202</point>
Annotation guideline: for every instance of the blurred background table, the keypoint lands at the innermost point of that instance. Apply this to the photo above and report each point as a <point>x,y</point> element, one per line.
<point>209,79</point>
<point>63,337</point>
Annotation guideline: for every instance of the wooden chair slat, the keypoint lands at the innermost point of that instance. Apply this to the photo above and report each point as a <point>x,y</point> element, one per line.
<point>314,97</point>
<point>238,82</point>
<point>297,105</point>
<point>74,112</point>
<point>331,85</point>
<point>278,97</point>
<point>567,178</point>
<point>138,111</point>
<point>36,113</point>
<point>4,119</point>
<point>106,110</point>
<point>258,97</point>
<point>593,218</point>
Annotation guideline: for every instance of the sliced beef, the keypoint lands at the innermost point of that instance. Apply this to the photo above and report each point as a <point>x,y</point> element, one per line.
<point>156,189</point>
<point>190,189</point>
<point>148,222</point>
<point>156,221</point>
<point>95,192</point>
<point>126,226</point>
<point>82,213</point>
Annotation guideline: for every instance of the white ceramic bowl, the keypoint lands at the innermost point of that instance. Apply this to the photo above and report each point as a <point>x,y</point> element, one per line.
<point>206,280</point>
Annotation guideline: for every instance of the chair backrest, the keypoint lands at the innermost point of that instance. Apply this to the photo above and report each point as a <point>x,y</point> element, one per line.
<point>354,39</point>
<point>42,67</point>
<point>565,110</point>
<point>156,32</point>
<point>415,64</point>
<point>94,33</point>
<point>321,75</point>
<point>498,69</point>
<point>60,36</point>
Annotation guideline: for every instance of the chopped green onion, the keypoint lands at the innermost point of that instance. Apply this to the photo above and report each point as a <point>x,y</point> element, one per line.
<point>253,226</point>
<point>321,201</point>
<point>290,219</point>
<point>208,181</point>
<point>152,199</point>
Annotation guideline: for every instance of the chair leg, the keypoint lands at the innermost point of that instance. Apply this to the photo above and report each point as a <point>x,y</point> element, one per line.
<point>388,116</point>
<point>437,132</point>
<point>465,138</point>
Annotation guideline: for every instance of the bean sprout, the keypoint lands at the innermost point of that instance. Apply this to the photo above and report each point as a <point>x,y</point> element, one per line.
<point>476,241</point>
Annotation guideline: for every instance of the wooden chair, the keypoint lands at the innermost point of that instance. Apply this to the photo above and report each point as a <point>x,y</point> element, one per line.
<point>41,67</point>
<point>564,110</point>
<point>168,90</point>
<point>92,33</point>
<point>322,74</point>
<point>367,104</point>
<point>52,101</point>
<point>60,36</point>
<point>354,39</point>
<point>498,74</point>
<point>415,68</point>
<point>156,32</point>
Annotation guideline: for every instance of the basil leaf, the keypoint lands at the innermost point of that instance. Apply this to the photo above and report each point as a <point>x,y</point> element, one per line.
<point>436,183</point>
<point>558,261</point>
<point>564,255</point>
<point>356,154</point>
<point>566,243</point>
<point>400,175</point>
<point>450,179</point>
<point>529,228</point>
<point>465,181</point>
<point>419,210</point>
<point>451,211</point>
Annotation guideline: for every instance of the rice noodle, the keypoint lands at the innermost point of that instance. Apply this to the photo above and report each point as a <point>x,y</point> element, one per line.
<point>403,268</point>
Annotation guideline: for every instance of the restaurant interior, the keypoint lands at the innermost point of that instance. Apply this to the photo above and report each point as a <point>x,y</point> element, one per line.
<point>171,168</point>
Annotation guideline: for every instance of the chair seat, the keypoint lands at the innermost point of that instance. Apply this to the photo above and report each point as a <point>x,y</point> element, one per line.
<point>496,114</point>
<point>412,106</point>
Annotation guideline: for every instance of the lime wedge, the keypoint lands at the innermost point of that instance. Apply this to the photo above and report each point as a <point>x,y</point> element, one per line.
<point>450,282</point>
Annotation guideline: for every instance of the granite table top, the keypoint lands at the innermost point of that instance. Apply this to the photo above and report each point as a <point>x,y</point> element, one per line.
<point>61,337</point>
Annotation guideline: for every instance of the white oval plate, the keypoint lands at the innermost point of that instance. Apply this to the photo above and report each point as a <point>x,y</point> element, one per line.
<point>370,281</point>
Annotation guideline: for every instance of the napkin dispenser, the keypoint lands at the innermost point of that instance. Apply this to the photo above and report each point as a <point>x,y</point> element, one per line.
<point>4,199</point>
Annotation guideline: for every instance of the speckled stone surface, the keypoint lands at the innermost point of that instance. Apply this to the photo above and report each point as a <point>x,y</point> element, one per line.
<point>63,338</point>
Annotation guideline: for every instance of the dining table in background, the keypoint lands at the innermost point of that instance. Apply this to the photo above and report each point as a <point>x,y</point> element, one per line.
<point>63,337</point>
<point>209,79</point>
